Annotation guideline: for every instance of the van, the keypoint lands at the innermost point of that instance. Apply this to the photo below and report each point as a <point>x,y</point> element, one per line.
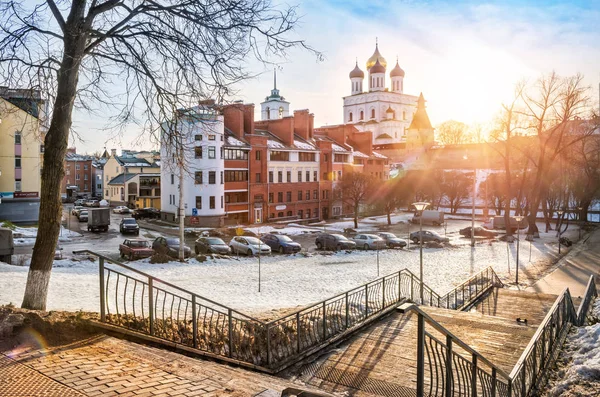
<point>497,222</point>
<point>430,217</point>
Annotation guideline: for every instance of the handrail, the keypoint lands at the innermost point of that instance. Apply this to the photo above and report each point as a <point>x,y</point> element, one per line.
<point>408,307</point>
<point>590,292</point>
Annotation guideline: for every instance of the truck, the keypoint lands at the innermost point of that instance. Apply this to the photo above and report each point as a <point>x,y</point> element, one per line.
<point>98,219</point>
<point>430,217</point>
<point>497,222</point>
<point>7,246</point>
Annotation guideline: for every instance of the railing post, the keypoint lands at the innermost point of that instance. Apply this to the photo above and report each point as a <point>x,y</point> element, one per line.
<point>510,387</point>
<point>298,331</point>
<point>383,293</point>
<point>474,376</point>
<point>543,355</point>
<point>347,310</point>
<point>102,302</point>
<point>230,332</point>
<point>534,367</point>
<point>449,382</point>
<point>494,380</point>
<point>151,302</point>
<point>194,322</point>
<point>324,323</point>
<point>455,298</point>
<point>523,381</point>
<point>366,300</point>
<point>268,345</point>
<point>420,355</point>
<point>399,286</point>
<point>412,293</point>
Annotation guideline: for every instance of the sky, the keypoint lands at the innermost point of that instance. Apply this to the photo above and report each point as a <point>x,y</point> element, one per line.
<point>464,56</point>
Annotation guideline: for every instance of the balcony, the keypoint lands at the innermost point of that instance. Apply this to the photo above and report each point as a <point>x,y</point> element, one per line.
<point>236,207</point>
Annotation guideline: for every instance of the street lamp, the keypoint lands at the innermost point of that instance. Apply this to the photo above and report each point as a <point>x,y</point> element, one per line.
<point>559,214</point>
<point>518,219</point>
<point>420,207</point>
<point>465,157</point>
<point>579,209</point>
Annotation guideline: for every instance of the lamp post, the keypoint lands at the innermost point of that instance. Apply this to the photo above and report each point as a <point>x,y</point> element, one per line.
<point>559,214</point>
<point>420,207</point>
<point>579,209</point>
<point>518,219</point>
<point>465,157</point>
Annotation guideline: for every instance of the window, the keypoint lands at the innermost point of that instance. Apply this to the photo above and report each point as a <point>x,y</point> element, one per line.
<point>337,211</point>
<point>316,212</point>
<point>221,201</point>
<point>280,197</point>
<point>212,152</point>
<point>212,137</point>
<point>198,152</point>
<point>236,176</point>
<point>340,158</point>
<point>403,115</point>
<point>288,197</point>
<point>268,115</point>
<point>235,154</point>
<point>68,172</point>
<point>199,198</point>
<point>257,179</point>
<point>307,176</point>
<point>315,194</point>
<point>211,202</point>
<point>17,138</point>
<point>325,176</point>
<point>280,214</point>
<point>258,154</point>
<point>315,176</point>
<point>270,176</point>
<point>281,112</point>
<point>289,213</point>
<point>271,197</point>
<point>77,177</point>
<point>300,214</point>
<point>308,194</point>
<point>362,115</point>
<point>303,156</point>
<point>288,176</point>
<point>279,156</point>
<point>308,213</point>
<point>372,113</point>
<point>172,179</point>
<point>198,137</point>
<point>198,178</point>
<point>77,166</point>
<point>299,176</point>
<point>85,186</point>
<point>279,176</point>
<point>350,117</point>
<point>325,158</point>
<point>221,177</point>
<point>212,177</point>
<point>222,150</point>
<point>85,177</point>
<point>299,195</point>
<point>18,185</point>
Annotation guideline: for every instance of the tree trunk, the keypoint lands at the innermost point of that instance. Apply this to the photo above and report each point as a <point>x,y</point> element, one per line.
<point>356,216</point>
<point>55,145</point>
<point>389,218</point>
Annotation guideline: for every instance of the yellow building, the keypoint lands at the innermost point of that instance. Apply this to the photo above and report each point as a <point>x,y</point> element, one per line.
<point>21,154</point>
<point>140,172</point>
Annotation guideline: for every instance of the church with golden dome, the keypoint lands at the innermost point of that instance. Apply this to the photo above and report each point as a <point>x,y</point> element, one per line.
<point>397,120</point>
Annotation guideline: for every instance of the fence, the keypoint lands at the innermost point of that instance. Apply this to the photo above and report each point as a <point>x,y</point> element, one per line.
<point>144,304</point>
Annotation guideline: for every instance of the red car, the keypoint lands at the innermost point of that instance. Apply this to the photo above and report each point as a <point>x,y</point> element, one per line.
<point>135,248</point>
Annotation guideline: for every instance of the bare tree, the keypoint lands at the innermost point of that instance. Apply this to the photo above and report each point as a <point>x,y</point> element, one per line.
<point>85,53</point>
<point>452,132</point>
<point>354,189</point>
<point>456,188</point>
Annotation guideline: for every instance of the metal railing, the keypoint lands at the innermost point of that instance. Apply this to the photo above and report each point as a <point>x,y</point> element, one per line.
<point>139,302</point>
<point>467,293</point>
<point>446,366</point>
<point>531,371</point>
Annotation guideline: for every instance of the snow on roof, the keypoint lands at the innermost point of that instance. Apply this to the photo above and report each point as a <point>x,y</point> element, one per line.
<point>356,153</point>
<point>303,145</point>
<point>338,148</point>
<point>379,155</point>
<point>234,142</point>
<point>273,144</point>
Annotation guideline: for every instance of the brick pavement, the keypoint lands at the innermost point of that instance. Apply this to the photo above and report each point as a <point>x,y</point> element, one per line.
<point>107,366</point>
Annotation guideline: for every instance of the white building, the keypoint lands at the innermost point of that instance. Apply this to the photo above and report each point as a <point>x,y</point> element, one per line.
<point>202,132</point>
<point>384,109</point>
<point>275,106</point>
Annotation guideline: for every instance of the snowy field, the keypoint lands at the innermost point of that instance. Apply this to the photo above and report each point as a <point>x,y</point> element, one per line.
<point>292,280</point>
<point>26,235</point>
<point>581,374</point>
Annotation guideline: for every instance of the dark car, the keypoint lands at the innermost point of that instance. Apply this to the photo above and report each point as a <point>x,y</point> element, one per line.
<point>129,225</point>
<point>428,236</point>
<point>211,245</point>
<point>479,232</point>
<point>83,216</point>
<point>391,240</point>
<point>170,246</point>
<point>334,242</point>
<point>280,243</point>
<point>148,212</point>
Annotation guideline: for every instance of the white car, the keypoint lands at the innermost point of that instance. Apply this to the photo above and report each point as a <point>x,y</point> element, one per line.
<point>121,210</point>
<point>249,246</point>
<point>369,241</point>
<point>75,210</point>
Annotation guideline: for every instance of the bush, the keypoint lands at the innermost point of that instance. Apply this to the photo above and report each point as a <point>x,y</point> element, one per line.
<point>157,257</point>
<point>8,225</point>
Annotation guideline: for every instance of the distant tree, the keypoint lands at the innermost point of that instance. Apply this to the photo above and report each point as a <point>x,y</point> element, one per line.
<point>388,197</point>
<point>452,132</point>
<point>494,187</point>
<point>354,189</point>
<point>456,187</point>
<point>583,175</point>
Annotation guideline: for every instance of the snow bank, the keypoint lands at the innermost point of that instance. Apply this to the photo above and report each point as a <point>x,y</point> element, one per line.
<point>26,235</point>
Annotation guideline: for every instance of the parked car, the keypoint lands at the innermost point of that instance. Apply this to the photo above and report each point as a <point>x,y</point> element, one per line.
<point>79,202</point>
<point>121,209</point>
<point>334,242</point>
<point>129,225</point>
<point>170,246</point>
<point>83,215</point>
<point>478,232</point>
<point>280,243</point>
<point>211,245</point>
<point>135,248</point>
<point>92,203</point>
<point>249,246</point>
<point>149,212</point>
<point>75,210</point>
<point>497,222</point>
<point>430,217</point>
<point>391,240</point>
<point>428,236</point>
<point>369,241</point>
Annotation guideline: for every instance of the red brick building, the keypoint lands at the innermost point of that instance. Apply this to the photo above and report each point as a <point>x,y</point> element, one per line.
<point>79,175</point>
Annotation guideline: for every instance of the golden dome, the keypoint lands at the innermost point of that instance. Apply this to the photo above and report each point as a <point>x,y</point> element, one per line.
<point>373,60</point>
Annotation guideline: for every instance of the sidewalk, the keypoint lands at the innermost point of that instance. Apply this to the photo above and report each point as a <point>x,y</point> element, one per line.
<point>574,269</point>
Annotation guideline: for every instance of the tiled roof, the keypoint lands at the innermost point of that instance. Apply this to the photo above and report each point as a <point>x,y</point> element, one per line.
<point>118,180</point>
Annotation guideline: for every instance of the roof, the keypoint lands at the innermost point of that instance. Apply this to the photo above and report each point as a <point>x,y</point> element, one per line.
<point>397,71</point>
<point>384,136</point>
<point>356,153</point>
<point>379,155</point>
<point>356,72</point>
<point>118,180</point>
<point>77,157</point>
<point>420,120</point>
<point>303,144</point>
<point>232,140</point>
<point>377,68</point>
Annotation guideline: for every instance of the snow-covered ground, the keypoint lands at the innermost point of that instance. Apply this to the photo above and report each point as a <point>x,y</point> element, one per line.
<point>581,374</point>
<point>290,281</point>
<point>27,235</point>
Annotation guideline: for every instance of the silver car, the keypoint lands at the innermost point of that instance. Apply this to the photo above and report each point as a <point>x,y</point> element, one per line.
<point>249,246</point>
<point>369,241</point>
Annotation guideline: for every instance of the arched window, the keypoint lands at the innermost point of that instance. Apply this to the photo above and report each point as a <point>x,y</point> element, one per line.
<point>362,115</point>
<point>281,112</point>
<point>372,113</point>
<point>268,113</point>
<point>403,115</point>
<point>350,116</point>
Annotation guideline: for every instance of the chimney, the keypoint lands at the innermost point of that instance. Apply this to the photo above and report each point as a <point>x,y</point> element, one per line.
<point>233,116</point>
<point>113,152</point>
<point>72,150</point>
<point>302,123</point>
<point>207,102</point>
<point>249,118</point>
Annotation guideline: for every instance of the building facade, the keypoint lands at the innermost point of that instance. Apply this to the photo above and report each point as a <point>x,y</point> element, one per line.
<point>79,179</point>
<point>125,173</point>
